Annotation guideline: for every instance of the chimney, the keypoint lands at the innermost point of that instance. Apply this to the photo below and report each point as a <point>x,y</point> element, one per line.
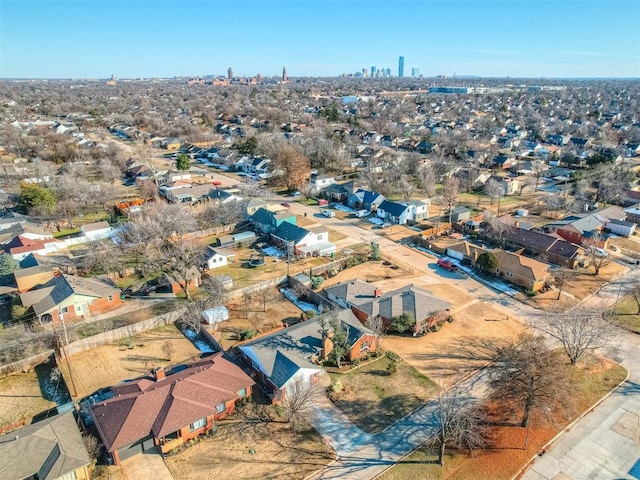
<point>377,292</point>
<point>158,373</point>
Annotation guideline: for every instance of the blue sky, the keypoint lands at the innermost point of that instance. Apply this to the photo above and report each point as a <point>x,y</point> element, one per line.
<point>165,38</point>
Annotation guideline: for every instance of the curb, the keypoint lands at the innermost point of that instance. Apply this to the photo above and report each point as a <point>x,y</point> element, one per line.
<point>543,449</point>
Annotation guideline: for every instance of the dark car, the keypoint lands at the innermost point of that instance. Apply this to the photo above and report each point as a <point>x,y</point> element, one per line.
<point>286,205</point>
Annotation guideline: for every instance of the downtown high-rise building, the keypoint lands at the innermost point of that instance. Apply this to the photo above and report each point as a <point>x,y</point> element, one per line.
<point>230,73</point>
<point>373,71</point>
<point>401,67</point>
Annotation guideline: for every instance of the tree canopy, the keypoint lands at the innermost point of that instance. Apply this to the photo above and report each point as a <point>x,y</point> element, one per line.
<point>487,261</point>
<point>36,199</point>
<point>183,162</point>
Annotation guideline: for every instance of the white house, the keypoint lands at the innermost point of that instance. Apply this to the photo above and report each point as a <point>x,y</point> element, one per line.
<point>319,182</point>
<point>218,257</point>
<point>96,231</point>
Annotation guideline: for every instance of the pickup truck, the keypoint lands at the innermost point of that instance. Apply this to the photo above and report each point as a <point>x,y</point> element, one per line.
<point>447,264</point>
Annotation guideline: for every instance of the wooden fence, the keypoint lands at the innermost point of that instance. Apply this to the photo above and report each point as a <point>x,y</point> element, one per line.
<point>120,333</point>
<point>25,363</point>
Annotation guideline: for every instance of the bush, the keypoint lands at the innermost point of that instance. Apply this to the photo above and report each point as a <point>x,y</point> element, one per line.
<point>394,357</point>
<point>392,368</point>
<point>309,314</point>
<point>355,362</point>
<point>531,293</point>
<point>18,311</point>
<point>247,334</point>
<point>316,281</point>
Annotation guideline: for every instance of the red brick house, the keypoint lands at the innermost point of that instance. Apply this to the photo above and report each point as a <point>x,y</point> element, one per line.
<point>174,283</point>
<point>281,357</point>
<point>71,297</point>
<point>162,411</point>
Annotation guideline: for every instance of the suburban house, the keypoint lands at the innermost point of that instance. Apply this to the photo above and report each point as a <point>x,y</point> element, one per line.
<point>588,228</point>
<point>12,219</point>
<point>265,221</point>
<point>218,257</point>
<point>188,194</point>
<point>70,296</point>
<point>365,199</point>
<point>252,205</point>
<point>320,182</point>
<point>165,409</point>
<point>51,449</point>
<point>393,212</point>
<point>520,270</point>
<point>301,241</point>
<point>30,277</point>
<point>547,248</point>
<point>236,240</point>
<point>418,210</point>
<point>366,301</point>
<point>96,231</point>
<point>21,246</point>
<point>338,192</point>
<point>295,352</point>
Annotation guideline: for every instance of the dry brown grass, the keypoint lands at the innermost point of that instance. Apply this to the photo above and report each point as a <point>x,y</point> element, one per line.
<point>21,398</point>
<point>459,347</point>
<point>506,455</point>
<point>244,451</point>
<point>107,365</point>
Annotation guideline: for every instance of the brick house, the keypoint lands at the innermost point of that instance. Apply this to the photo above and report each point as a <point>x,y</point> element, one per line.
<point>72,297</point>
<point>519,270</point>
<point>280,358</point>
<point>165,409</point>
<point>367,301</point>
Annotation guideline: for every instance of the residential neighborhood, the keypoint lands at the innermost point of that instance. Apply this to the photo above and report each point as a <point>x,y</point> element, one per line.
<point>282,276</point>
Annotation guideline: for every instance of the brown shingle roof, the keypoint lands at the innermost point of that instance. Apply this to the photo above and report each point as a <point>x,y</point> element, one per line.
<point>159,407</point>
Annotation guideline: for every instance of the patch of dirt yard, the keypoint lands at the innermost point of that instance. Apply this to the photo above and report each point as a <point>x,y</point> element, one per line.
<point>112,363</point>
<point>21,398</point>
<point>380,393</point>
<point>369,272</point>
<point>245,451</point>
<point>459,347</point>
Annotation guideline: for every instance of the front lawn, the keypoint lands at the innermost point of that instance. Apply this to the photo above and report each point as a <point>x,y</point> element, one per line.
<point>380,393</point>
<point>505,455</point>
<point>254,443</point>
<point>626,313</point>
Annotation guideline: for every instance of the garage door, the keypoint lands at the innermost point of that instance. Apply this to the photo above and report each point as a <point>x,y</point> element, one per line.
<point>141,446</point>
<point>454,254</point>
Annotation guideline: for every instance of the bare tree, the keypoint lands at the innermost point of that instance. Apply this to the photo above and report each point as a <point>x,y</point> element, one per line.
<point>376,325</point>
<point>406,189</point>
<point>427,179</point>
<point>597,256</point>
<point>495,225</point>
<point>580,331</point>
<point>494,189</point>
<point>298,399</point>
<point>181,259</point>
<point>450,192</point>
<point>635,293</point>
<point>530,373</point>
<point>459,420</point>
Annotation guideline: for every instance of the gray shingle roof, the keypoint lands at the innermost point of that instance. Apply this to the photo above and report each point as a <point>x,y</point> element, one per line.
<point>50,448</point>
<point>289,232</point>
<point>281,354</point>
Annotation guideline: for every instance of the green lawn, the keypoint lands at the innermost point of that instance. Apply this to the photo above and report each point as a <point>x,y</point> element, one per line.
<point>626,313</point>
<point>66,233</point>
<point>375,396</point>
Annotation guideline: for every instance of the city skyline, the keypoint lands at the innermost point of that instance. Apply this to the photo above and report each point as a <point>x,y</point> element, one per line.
<point>495,38</point>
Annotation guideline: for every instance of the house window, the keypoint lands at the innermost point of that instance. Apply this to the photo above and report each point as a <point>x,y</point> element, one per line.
<point>64,310</point>
<point>221,408</point>
<point>319,237</point>
<point>110,298</point>
<point>364,347</point>
<point>69,476</point>
<point>242,393</point>
<point>198,424</point>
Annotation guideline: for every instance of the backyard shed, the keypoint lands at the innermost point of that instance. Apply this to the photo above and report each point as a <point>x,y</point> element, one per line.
<point>215,315</point>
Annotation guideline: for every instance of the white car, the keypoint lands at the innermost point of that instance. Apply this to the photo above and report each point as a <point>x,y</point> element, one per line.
<point>328,213</point>
<point>362,213</point>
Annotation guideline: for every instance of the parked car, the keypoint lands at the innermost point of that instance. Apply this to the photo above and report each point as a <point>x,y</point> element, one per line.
<point>362,213</point>
<point>447,264</point>
<point>328,213</point>
<point>286,205</point>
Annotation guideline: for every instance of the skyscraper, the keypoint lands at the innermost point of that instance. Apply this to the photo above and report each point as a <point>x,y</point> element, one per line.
<point>401,67</point>
<point>373,71</point>
<point>284,75</point>
<point>230,73</point>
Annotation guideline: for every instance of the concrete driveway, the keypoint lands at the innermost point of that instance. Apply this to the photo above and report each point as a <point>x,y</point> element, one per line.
<point>146,466</point>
